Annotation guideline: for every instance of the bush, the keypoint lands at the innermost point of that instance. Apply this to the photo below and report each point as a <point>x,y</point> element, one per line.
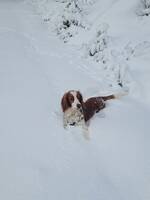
<point>98,46</point>
<point>144,8</point>
<point>70,21</point>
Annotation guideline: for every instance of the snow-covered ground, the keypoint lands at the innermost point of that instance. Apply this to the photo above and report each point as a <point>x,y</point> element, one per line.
<point>39,160</point>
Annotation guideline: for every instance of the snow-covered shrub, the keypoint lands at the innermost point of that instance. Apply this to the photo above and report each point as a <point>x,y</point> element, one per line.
<point>144,8</point>
<point>70,20</point>
<point>112,62</point>
<point>98,46</point>
<point>117,73</point>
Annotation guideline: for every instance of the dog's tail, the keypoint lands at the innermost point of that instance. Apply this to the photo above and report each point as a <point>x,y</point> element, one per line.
<point>115,96</point>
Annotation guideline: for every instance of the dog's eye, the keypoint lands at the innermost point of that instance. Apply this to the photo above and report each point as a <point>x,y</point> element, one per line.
<point>71,98</point>
<point>79,96</point>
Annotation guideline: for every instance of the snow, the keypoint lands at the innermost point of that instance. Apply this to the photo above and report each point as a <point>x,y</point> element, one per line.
<point>39,159</point>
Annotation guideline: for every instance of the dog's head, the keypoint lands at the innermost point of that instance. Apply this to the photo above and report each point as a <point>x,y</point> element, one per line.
<point>72,99</point>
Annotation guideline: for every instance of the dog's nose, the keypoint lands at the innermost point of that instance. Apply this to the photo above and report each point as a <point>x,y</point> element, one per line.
<point>78,105</point>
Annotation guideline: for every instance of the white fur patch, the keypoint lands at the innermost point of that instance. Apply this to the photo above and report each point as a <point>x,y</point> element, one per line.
<point>76,100</point>
<point>73,115</point>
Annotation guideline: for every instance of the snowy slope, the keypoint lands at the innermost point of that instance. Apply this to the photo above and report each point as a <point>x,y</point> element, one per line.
<point>39,159</point>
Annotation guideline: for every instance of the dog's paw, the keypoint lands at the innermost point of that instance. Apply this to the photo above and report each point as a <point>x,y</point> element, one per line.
<point>87,137</point>
<point>86,133</point>
<point>65,126</point>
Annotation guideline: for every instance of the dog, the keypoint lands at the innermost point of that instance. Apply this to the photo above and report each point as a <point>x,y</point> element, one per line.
<point>76,112</point>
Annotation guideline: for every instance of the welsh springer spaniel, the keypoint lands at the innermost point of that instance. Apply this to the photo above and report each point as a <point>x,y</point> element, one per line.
<point>77,112</point>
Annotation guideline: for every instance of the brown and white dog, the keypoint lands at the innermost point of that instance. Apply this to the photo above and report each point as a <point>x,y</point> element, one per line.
<point>77,112</point>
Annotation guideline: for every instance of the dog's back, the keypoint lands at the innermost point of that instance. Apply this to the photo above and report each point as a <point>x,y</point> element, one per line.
<point>94,105</point>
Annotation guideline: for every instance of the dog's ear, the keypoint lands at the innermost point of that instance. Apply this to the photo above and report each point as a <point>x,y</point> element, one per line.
<point>65,102</point>
<point>79,96</point>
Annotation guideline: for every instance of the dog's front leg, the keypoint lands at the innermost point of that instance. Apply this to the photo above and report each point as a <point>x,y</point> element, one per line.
<point>64,121</point>
<point>85,130</point>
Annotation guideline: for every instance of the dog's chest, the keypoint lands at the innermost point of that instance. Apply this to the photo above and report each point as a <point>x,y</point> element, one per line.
<point>74,117</point>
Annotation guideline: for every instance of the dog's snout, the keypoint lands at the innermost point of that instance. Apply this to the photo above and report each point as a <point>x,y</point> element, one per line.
<point>78,105</point>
